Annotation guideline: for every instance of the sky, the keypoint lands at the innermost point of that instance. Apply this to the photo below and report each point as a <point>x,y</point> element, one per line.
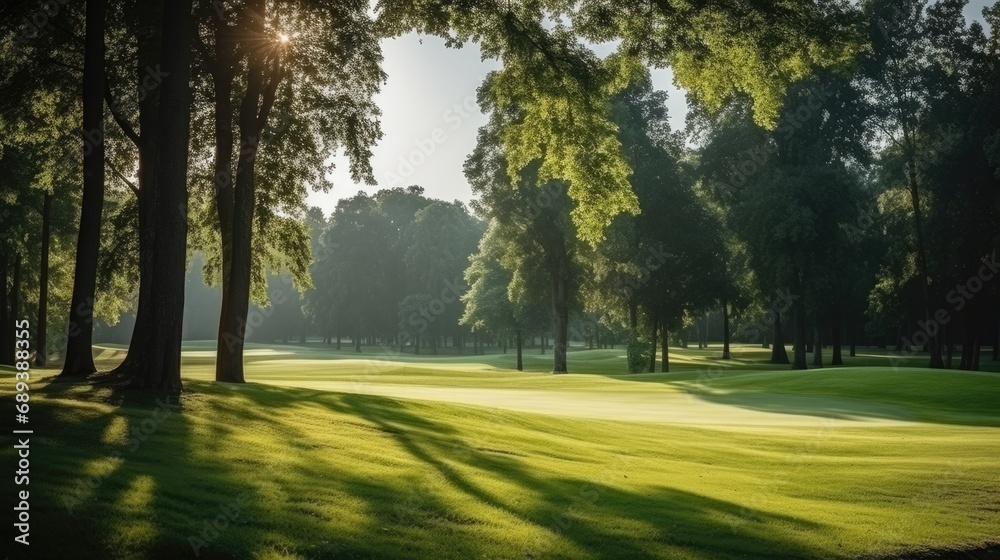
<point>430,117</point>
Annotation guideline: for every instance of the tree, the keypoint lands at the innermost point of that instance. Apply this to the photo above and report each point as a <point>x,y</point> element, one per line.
<point>895,82</point>
<point>79,359</point>
<point>505,298</point>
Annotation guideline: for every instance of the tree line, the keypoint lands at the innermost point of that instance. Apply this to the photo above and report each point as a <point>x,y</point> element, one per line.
<point>842,156</point>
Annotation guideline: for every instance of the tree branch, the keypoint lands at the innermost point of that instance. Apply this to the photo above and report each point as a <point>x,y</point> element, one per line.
<point>119,118</point>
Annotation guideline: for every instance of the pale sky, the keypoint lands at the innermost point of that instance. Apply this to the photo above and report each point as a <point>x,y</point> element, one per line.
<point>429,106</point>
<point>430,101</point>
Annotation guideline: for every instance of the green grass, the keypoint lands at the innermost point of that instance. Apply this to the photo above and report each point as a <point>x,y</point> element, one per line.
<point>454,457</point>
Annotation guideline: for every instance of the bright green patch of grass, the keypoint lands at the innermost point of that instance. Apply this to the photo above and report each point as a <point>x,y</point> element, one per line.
<point>336,475</point>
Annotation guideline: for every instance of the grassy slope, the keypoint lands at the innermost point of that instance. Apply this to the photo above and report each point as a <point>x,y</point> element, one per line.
<point>333,475</point>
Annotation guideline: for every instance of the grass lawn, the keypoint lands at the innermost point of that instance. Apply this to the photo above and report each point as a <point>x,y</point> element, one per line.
<point>328,456</point>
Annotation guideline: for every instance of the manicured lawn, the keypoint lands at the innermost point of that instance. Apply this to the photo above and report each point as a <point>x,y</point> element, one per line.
<point>452,457</point>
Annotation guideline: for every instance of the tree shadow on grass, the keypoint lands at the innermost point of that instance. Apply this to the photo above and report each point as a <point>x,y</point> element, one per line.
<point>178,481</point>
<point>934,409</point>
<point>591,518</point>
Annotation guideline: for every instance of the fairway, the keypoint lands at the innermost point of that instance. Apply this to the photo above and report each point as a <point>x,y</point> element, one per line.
<point>325,454</point>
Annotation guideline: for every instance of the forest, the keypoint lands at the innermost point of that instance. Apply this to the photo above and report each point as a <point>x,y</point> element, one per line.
<point>818,242</point>
<point>851,198</point>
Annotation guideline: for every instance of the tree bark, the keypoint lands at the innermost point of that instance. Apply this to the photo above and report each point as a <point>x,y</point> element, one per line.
<point>560,317</point>
<point>520,362</point>
<point>160,363</point>
<point>6,321</point>
<point>664,352</point>
<point>41,340</point>
<point>264,72</point>
<point>725,330</point>
<point>778,353</point>
<point>799,359</point>
<point>79,359</point>
<point>149,33</point>
<point>817,345</point>
<point>835,334</point>
<point>933,346</point>
<point>854,337</point>
<point>223,70</point>
<point>652,354</point>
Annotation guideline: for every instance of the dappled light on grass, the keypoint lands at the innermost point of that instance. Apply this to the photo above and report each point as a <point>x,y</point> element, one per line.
<point>330,475</point>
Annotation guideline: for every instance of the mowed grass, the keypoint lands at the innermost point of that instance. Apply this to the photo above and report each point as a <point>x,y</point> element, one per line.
<point>858,462</point>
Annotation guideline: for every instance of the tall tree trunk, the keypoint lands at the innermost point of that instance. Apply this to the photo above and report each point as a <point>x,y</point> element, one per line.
<point>996,339</point>
<point>854,336</point>
<point>778,353</point>
<point>41,340</point>
<point>725,329</point>
<point>818,345</point>
<point>933,346</point>
<point>665,352</point>
<point>264,73</point>
<point>160,364</point>
<point>799,353</point>
<point>519,342</point>
<point>357,334</point>
<point>949,346</point>
<point>560,317</point>
<point>835,334</point>
<point>223,70</point>
<point>149,32</point>
<point>652,355</point>
<point>6,321</point>
<point>79,346</point>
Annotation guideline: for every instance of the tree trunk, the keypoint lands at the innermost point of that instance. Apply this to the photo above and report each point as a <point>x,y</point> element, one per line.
<point>79,347</point>
<point>818,345</point>
<point>560,318</point>
<point>799,359</point>
<point>725,330</point>
<point>652,354</point>
<point>949,346</point>
<point>520,362</point>
<point>854,337</point>
<point>223,72</point>
<point>160,365</point>
<point>10,311</point>
<point>149,32</point>
<point>6,321</point>
<point>664,352</point>
<point>933,346</point>
<point>264,72</point>
<point>996,340</point>
<point>835,334</point>
<point>41,340</point>
<point>778,353</point>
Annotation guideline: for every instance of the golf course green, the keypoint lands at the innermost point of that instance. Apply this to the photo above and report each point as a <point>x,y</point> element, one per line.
<point>334,454</point>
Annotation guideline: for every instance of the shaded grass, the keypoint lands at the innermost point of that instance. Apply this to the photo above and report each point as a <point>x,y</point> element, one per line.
<point>322,474</point>
<point>330,475</point>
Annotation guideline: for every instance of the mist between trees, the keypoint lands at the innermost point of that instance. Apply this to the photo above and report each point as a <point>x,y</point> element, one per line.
<point>835,203</point>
